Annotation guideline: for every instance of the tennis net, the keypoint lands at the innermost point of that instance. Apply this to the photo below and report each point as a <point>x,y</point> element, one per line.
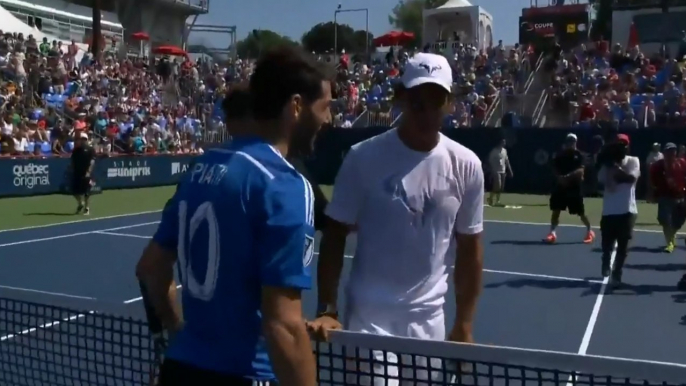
<point>351,358</point>
<point>43,345</point>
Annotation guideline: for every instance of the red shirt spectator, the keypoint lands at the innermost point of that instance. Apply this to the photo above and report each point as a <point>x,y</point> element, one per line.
<point>586,112</point>
<point>668,177</point>
<point>603,46</point>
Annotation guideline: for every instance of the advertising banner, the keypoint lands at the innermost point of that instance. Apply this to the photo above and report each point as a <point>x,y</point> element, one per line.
<point>542,29</point>
<point>531,150</point>
<point>31,176</point>
<point>25,177</point>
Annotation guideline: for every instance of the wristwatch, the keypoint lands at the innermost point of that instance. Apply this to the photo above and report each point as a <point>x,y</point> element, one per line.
<point>327,310</point>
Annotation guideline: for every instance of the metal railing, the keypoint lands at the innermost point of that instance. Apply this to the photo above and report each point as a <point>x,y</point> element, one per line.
<point>203,5</point>
<point>539,110</point>
<point>532,75</point>
<point>495,105</point>
<point>362,119</point>
<point>218,135</point>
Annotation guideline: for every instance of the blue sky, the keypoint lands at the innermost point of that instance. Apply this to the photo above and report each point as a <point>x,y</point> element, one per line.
<point>295,17</point>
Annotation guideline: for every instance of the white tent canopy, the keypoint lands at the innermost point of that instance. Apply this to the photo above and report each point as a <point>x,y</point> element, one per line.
<point>10,23</point>
<point>472,23</point>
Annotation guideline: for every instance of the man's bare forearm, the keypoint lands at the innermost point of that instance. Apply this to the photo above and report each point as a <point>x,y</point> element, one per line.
<point>291,352</point>
<point>161,288</point>
<point>468,279</point>
<point>162,292</point>
<point>578,173</point>
<point>329,267</point>
<point>623,177</point>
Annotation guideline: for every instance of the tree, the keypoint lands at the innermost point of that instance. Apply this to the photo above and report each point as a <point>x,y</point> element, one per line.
<point>407,16</point>
<point>320,38</point>
<point>260,40</point>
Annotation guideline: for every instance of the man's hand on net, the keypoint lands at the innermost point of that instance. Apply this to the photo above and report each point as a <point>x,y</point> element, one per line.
<point>321,326</point>
<point>461,332</point>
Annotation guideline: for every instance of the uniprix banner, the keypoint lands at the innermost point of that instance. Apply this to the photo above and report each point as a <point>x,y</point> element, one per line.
<point>543,29</point>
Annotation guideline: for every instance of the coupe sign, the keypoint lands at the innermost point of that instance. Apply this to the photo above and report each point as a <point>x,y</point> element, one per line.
<point>567,29</point>
<point>536,27</point>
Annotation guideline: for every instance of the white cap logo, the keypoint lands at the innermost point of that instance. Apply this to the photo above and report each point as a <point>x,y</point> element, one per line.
<point>430,69</point>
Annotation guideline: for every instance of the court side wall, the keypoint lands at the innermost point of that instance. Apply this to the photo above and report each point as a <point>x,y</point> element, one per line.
<point>35,176</point>
<point>530,150</point>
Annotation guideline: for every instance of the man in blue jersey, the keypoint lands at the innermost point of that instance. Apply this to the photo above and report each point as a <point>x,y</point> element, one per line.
<point>241,226</point>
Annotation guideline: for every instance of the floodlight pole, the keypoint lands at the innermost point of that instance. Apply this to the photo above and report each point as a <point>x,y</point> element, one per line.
<point>335,29</point>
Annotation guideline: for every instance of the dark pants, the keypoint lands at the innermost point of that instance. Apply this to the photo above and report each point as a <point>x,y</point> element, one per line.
<point>80,186</point>
<point>671,213</point>
<point>571,200</point>
<point>174,373</point>
<point>616,228</point>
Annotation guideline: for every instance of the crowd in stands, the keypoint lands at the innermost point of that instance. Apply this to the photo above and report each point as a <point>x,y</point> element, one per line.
<point>480,78</point>
<point>618,87</point>
<point>50,93</point>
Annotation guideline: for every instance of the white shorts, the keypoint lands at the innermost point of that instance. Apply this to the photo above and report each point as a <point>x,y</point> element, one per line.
<point>372,320</point>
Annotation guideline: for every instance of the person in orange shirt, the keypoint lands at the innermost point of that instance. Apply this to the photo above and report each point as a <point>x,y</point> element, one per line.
<point>80,125</point>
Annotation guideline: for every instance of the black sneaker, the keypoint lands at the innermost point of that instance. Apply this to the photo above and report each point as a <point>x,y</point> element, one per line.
<point>681,285</point>
<point>616,279</point>
<point>79,209</point>
<point>605,270</point>
<point>87,211</point>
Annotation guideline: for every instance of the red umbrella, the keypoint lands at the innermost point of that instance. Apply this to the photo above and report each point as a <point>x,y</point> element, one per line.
<point>169,50</point>
<point>140,36</point>
<point>394,38</point>
<point>633,36</point>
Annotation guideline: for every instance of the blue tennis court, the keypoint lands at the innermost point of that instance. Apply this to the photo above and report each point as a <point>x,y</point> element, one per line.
<point>535,296</point>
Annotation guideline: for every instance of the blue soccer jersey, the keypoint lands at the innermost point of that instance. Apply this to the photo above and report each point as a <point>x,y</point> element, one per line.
<point>242,218</point>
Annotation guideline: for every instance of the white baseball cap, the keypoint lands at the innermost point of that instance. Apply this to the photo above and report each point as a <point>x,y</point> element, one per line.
<point>83,136</point>
<point>428,68</point>
<point>571,137</point>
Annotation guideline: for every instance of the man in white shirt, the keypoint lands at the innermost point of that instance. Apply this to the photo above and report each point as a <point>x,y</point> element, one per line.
<point>654,155</point>
<point>410,192</point>
<point>619,176</point>
<point>499,164</point>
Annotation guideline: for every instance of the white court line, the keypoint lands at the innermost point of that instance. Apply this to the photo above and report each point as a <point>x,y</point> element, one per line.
<point>561,278</point>
<point>58,322</point>
<point>43,326</point>
<point>586,340</point>
<point>567,225</point>
<point>122,234</point>
<point>79,221</point>
<point>20,289</point>
<point>157,222</point>
<point>588,333</point>
<point>141,298</point>
<point>76,234</point>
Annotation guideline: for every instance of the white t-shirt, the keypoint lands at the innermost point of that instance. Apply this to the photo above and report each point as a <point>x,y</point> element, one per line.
<point>20,144</point>
<point>407,206</point>
<point>653,157</point>
<point>7,128</point>
<point>620,198</point>
<point>498,160</point>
